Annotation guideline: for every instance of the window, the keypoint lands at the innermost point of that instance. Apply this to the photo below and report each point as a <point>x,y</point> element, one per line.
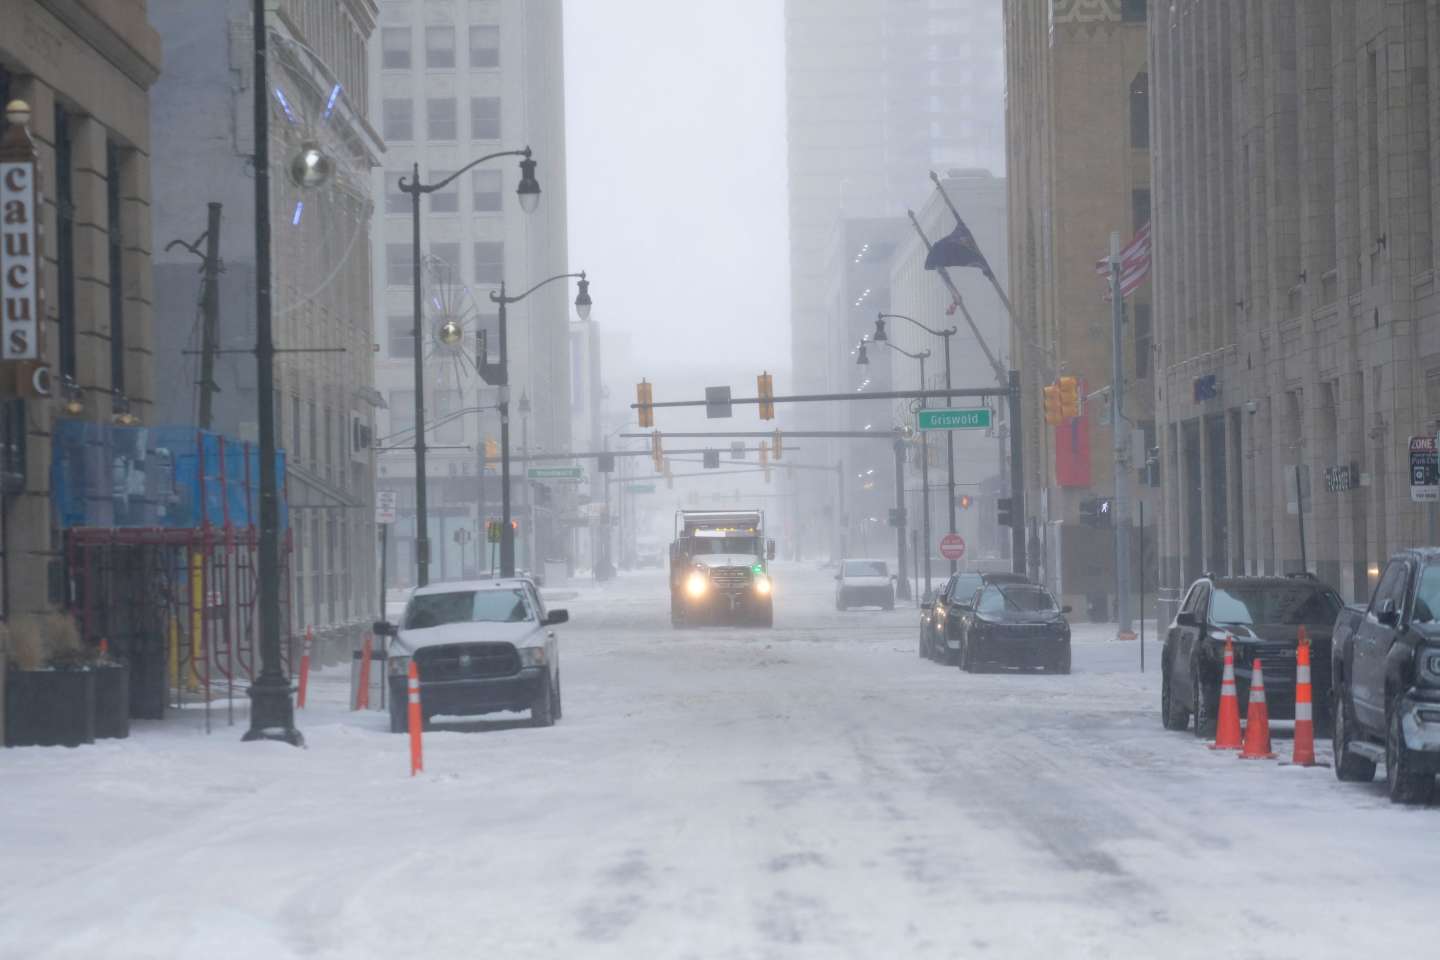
<point>295,429</point>
<point>1132,11</point>
<point>396,200</point>
<point>1140,207</point>
<point>117,262</point>
<point>1427,595</point>
<point>1140,111</point>
<point>469,606</point>
<point>1142,341</point>
<point>440,118</point>
<point>402,410</point>
<point>866,568</point>
<point>400,336</point>
<point>449,403</point>
<point>395,48</point>
<point>447,200</point>
<point>399,265</point>
<point>1281,606</point>
<point>449,255</point>
<point>489,262</point>
<point>485,188</point>
<point>397,120</point>
<point>439,47</point>
<point>484,46</point>
<point>1391,587</point>
<point>484,118</point>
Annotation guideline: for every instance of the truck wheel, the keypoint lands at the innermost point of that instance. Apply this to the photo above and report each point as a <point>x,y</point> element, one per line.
<point>766,617</point>
<point>1406,785</point>
<point>1207,701</point>
<point>1349,767</point>
<point>542,710</point>
<point>1062,662</point>
<point>967,659</point>
<point>1172,715</point>
<point>558,712</point>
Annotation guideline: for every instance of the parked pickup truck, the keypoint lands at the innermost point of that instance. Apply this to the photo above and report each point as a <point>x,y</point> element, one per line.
<point>1385,664</point>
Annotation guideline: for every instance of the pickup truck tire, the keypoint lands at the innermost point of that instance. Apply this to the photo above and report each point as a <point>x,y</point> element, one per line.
<point>1062,662</point>
<point>1207,702</point>
<point>1349,767</point>
<point>1405,785</point>
<point>542,709</point>
<point>1172,715</point>
<point>558,712</point>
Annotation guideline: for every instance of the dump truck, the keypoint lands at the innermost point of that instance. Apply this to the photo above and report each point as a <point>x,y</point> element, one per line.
<point>719,568</point>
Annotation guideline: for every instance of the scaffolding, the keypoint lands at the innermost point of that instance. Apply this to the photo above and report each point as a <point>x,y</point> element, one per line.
<point>161,557</point>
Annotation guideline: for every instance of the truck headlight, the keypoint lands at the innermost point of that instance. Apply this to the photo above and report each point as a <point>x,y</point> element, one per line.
<point>696,584</point>
<point>762,585</point>
<point>533,657</point>
<point>397,665</point>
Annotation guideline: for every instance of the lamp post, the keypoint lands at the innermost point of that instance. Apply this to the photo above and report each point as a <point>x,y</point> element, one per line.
<point>949,434</point>
<point>529,194</point>
<point>922,356</point>
<point>498,375</point>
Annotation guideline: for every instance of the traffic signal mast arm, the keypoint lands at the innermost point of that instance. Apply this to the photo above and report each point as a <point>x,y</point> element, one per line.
<point>980,392</point>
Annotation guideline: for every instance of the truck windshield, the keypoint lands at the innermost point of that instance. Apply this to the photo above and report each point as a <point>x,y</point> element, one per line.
<point>745,545</point>
<point>1291,605</point>
<point>1427,595</point>
<point>466,606</point>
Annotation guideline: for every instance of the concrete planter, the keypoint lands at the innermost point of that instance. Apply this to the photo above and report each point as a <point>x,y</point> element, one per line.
<point>49,708</point>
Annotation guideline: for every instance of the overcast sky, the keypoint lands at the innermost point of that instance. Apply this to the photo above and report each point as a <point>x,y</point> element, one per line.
<point>675,141</point>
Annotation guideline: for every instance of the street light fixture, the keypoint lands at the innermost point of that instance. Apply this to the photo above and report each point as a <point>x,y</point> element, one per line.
<point>528,193</point>
<point>863,360</point>
<point>311,167</point>
<point>451,332</point>
<point>907,433</point>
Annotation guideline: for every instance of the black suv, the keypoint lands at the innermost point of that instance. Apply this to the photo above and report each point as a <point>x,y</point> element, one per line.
<point>1263,615</point>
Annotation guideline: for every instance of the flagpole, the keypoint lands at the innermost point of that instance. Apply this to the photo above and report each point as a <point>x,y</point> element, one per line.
<point>989,274</point>
<point>1001,375</point>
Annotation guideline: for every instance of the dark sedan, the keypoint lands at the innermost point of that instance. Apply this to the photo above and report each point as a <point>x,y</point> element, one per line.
<point>1015,625</point>
<point>940,617</point>
<point>1263,616</point>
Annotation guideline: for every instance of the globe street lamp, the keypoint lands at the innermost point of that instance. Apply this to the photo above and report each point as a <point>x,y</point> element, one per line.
<point>528,193</point>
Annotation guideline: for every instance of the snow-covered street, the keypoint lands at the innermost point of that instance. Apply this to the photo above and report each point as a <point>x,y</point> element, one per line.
<point>815,790</point>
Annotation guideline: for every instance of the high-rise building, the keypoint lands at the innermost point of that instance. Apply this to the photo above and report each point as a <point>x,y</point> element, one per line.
<point>319,94</point>
<point>454,82</point>
<point>1295,184</point>
<point>878,94</point>
<point>1078,138</point>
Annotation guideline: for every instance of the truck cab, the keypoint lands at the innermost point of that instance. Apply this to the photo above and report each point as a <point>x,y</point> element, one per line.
<point>720,568</point>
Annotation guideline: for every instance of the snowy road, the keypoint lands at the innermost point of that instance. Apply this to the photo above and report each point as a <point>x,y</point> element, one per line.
<point>811,791</point>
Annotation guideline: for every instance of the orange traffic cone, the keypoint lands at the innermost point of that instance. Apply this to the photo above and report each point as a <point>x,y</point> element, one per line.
<point>416,718</point>
<point>1227,723</point>
<point>1257,722</point>
<point>1304,752</point>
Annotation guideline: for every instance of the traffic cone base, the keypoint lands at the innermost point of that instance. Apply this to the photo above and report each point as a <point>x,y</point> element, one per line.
<point>1257,723</point>
<point>1227,720</point>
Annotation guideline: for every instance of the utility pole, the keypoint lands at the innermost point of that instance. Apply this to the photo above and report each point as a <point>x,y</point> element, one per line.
<point>902,584</point>
<point>210,309</point>
<point>1121,437</point>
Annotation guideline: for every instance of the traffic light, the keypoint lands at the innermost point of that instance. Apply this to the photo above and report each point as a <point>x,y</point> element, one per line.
<point>492,449</point>
<point>779,447</point>
<point>1053,416</point>
<point>710,459</point>
<point>765,459</point>
<point>1069,397</point>
<point>656,452</point>
<point>965,501</point>
<point>1003,507</point>
<point>605,463</point>
<point>644,396</point>
<point>765,390</point>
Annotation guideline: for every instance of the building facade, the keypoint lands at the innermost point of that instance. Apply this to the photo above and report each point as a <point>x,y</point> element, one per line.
<point>1297,162</point>
<point>456,80</point>
<point>325,404</point>
<point>1078,138</point>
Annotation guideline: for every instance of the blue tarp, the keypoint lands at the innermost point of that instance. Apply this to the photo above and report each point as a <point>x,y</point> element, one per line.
<point>108,476</point>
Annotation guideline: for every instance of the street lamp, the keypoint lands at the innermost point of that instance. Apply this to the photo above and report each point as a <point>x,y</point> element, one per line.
<point>922,356</point>
<point>949,434</point>
<point>528,193</point>
<point>498,375</point>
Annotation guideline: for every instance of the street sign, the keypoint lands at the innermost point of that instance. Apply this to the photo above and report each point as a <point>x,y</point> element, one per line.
<point>977,418</point>
<point>385,506</point>
<point>640,488</point>
<point>554,473</point>
<point>737,450</point>
<point>952,546</point>
<point>1424,470</point>
<point>717,402</point>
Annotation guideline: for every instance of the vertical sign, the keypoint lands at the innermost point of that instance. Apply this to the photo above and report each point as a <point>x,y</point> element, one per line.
<point>19,287</point>
<point>385,501</point>
<point>1424,470</point>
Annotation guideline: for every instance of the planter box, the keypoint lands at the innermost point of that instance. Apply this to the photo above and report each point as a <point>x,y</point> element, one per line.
<point>49,708</point>
<point>112,702</point>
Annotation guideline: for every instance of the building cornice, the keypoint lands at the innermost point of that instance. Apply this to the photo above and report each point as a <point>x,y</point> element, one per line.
<point>130,43</point>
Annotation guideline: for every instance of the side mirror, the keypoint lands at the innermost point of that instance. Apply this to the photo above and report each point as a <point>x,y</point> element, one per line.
<point>1185,620</point>
<point>1065,609</point>
<point>383,628</point>
<point>1389,614</point>
<point>769,549</point>
<point>557,616</point>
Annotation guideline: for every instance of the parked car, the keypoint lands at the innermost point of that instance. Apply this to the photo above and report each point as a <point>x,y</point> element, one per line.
<point>864,583</point>
<point>1015,625</point>
<point>480,646</point>
<point>1386,669</point>
<point>1263,616</point>
<point>940,615</point>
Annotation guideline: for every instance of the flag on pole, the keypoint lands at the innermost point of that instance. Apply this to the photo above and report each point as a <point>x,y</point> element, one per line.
<point>957,249</point>
<point>1134,264</point>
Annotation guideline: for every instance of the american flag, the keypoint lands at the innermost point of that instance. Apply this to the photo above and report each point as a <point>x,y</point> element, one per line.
<point>1134,264</point>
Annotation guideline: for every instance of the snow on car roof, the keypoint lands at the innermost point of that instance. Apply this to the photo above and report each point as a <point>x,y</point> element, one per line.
<point>456,586</point>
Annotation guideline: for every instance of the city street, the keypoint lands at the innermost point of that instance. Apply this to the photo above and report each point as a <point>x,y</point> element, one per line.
<point>815,790</point>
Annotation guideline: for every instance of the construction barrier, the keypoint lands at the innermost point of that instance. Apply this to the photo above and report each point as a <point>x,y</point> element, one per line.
<point>1227,722</point>
<point>304,668</point>
<point>1257,722</point>
<point>417,720</point>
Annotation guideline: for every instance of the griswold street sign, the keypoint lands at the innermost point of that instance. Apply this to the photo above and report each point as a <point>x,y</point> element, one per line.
<point>969,419</point>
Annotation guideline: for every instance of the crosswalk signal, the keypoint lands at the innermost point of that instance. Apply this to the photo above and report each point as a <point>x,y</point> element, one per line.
<point>1003,507</point>
<point>1053,416</point>
<point>656,452</point>
<point>644,397</point>
<point>765,390</point>
<point>1069,397</point>
<point>779,447</point>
